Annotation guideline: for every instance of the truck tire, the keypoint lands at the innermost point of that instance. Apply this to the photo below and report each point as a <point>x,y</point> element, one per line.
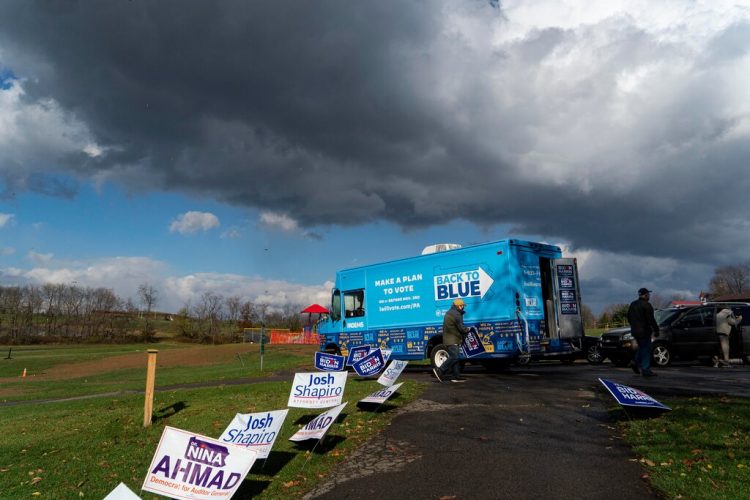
<point>333,349</point>
<point>438,355</point>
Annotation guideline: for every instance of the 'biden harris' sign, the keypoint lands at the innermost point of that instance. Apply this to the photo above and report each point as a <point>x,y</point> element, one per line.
<point>632,398</point>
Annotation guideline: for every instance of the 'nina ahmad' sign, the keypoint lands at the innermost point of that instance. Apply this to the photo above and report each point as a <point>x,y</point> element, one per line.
<point>381,395</point>
<point>317,427</point>
<point>317,390</point>
<point>188,465</point>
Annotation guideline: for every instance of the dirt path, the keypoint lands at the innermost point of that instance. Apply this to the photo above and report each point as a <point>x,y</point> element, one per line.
<point>187,356</point>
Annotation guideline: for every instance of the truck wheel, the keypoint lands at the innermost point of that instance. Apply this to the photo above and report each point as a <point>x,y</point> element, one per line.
<point>523,360</point>
<point>661,355</point>
<point>333,349</point>
<point>438,355</point>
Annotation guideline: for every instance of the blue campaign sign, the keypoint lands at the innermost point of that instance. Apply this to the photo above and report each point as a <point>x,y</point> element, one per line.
<point>628,396</point>
<point>329,362</point>
<point>357,353</point>
<point>372,364</point>
<point>472,344</point>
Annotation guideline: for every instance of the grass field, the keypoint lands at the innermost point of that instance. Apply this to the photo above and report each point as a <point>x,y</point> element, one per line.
<point>699,450</point>
<point>84,448</point>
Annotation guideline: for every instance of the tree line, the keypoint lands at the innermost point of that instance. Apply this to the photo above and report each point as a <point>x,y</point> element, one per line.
<point>56,312</point>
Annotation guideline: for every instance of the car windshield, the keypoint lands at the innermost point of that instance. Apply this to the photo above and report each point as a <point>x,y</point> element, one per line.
<point>665,316</point>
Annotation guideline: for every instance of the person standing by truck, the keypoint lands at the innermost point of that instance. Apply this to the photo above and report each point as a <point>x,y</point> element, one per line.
<point>725,321</point>
<point>454,332</point>
<point>642,326</point>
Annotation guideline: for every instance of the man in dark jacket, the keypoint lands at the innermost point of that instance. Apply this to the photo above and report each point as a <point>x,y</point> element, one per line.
<point>454,332</point>
<point>642,326</point>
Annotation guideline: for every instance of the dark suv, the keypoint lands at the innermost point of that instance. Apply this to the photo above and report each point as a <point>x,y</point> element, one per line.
<point>684,333</point>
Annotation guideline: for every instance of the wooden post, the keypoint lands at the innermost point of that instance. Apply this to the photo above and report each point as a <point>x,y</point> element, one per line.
<point>148,406</point>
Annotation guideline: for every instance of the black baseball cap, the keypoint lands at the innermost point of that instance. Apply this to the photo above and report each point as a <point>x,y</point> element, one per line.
<point>643,291</point>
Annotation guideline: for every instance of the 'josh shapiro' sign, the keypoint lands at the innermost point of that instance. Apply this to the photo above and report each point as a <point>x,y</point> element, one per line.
<point>191,466</point>
<point>256,431</point>
<point>317,390</point>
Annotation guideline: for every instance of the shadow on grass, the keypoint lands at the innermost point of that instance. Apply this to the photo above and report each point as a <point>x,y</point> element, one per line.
<point>306,419</point>
<point>376,407</point>
<point>168,411</point>
<point>251,488</point>
<point>622,413</point>
<point>322,446</point>
<point>272,465</point>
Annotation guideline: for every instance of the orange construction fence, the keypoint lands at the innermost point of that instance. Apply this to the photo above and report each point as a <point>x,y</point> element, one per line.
<point>278,337</point>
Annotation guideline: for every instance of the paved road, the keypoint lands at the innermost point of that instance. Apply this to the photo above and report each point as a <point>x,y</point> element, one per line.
<point>537,432</point>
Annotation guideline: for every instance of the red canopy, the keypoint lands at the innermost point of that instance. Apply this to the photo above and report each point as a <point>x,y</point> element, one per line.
<point>315,309</point>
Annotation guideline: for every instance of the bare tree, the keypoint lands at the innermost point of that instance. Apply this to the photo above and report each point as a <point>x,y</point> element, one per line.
<point>209,311</point>
<point>732,279</point>
<point>234,306</point>
<point>247,312</point>
<point>148,296</point>
<point>587,315</point>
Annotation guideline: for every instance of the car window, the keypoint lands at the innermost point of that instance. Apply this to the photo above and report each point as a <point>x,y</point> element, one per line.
<point>665,316</point>
<point>745,312</point>
<point>698,318</point>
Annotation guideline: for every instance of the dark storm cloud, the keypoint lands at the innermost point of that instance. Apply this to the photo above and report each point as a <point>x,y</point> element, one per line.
<point>348,112</point>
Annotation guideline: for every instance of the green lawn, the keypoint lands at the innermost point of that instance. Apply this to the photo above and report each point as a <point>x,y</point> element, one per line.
<point>84,448</point>
<point>699,450</point>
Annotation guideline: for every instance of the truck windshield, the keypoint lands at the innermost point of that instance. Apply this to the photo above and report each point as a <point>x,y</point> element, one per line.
<point>336,305</point>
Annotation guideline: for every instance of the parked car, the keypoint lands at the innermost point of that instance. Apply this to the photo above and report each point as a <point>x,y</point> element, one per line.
<point>619,345</point>
<point>684,333</point>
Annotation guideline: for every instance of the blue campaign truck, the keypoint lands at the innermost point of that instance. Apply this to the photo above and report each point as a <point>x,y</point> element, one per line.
<point>522,297</point>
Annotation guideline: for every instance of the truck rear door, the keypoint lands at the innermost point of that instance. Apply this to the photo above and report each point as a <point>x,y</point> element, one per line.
<point>565,312</point>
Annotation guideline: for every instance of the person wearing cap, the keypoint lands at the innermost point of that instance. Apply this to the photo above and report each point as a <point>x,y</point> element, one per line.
<point>642,326</point>
<point>454,332</point>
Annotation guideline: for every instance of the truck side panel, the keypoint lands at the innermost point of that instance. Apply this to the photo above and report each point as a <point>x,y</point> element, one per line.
<point>405,300</point>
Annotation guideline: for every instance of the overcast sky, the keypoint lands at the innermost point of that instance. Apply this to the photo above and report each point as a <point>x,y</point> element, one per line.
<point>254,148</point>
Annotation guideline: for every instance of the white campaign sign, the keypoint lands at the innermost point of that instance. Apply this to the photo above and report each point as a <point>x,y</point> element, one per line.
<point>391,373</point>
<point>317,390</point>
<point>381,395</point>
<point>317,427</point>
<point>122,492</point>
<point>256,431</point>
<point>191,466</point>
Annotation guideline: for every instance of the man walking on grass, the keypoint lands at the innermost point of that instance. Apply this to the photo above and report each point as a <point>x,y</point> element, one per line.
<point>454,332</point>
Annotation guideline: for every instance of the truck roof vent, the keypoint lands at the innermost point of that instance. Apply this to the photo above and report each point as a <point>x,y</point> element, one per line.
<point>440,247</point>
